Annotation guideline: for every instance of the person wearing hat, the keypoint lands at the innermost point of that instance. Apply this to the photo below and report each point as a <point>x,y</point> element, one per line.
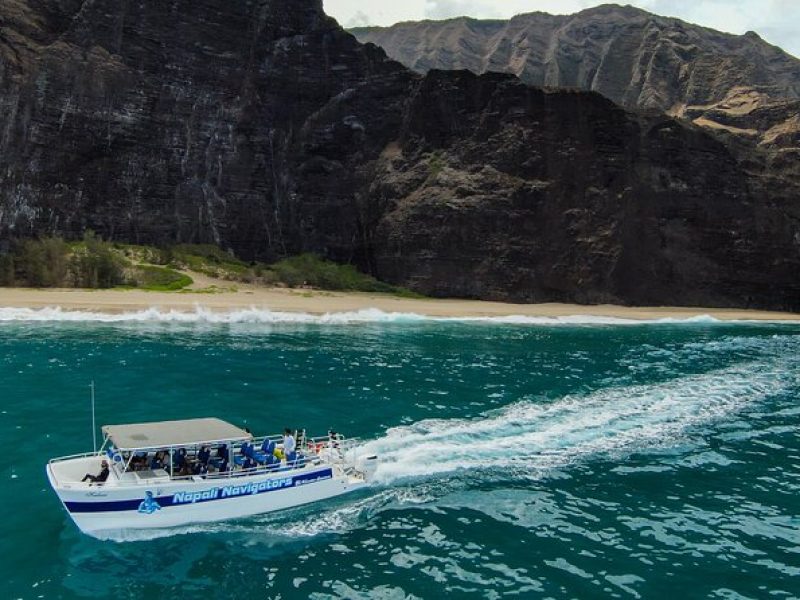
<point>100,477</point>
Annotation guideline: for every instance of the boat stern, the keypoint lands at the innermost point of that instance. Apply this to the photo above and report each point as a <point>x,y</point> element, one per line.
<point>366,466</point>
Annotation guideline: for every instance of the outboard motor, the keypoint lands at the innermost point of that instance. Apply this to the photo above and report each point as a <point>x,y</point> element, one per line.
<point>367,465</point>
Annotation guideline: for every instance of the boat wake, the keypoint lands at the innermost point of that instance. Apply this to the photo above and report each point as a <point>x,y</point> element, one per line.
<point>255,315</point>
<point>528,440</point>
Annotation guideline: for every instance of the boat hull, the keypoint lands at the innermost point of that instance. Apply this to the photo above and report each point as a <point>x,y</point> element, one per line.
<point>163,504</point>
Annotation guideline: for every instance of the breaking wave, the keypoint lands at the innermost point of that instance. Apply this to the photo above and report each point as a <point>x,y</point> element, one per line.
<point>265,316</point>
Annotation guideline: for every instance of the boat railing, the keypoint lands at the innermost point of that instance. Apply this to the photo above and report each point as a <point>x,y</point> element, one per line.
<point>74,456</point>
<point>338,450</point>
<point>331,449</point>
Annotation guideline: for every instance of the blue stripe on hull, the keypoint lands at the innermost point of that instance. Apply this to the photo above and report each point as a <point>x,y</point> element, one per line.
<point>233,490</point>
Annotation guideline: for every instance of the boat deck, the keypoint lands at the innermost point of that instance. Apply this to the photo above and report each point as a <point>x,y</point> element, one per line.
<point>68,471</point>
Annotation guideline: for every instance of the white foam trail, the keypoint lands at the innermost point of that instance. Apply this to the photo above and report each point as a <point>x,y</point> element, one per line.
<point>527,439</point>
<point>265,316</point>
<point>286,525</point>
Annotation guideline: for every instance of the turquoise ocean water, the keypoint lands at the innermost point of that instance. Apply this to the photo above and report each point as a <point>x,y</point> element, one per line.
<point>519,459</point>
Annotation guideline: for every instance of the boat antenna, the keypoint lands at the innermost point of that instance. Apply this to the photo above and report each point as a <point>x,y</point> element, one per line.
<point>94,427</point>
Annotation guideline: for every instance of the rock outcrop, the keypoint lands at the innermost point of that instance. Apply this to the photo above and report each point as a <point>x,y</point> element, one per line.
<point>635,58</point>
<point>264,127</point>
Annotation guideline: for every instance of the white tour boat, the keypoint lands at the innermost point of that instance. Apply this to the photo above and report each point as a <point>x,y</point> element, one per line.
<point>171,473</point>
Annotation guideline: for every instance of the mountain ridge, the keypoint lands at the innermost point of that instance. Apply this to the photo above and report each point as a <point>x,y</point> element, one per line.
<point>636,58</point>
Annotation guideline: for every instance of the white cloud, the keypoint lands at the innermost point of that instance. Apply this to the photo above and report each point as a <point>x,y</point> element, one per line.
<point>488,9</point>
<point>359,19</point>
<point>777,21</point>
<point>377,12</point>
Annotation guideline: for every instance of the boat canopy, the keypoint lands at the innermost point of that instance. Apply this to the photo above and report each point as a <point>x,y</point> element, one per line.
<point>164,434</point>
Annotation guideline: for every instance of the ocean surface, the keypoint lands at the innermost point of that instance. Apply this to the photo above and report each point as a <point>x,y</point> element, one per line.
<point>527,458</point>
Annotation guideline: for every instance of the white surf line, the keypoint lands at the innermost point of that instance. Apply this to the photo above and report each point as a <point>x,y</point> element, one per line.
<point>529,438</point>
<point>369,315</point>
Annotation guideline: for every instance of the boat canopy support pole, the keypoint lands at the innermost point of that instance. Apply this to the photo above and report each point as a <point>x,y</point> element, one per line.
<point>94,424</point>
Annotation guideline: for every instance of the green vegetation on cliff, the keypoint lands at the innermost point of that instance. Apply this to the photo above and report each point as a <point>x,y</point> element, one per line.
<point>303,271</point>
<point>89,263</point>
<point>308,270</point>
<point>94,263</point>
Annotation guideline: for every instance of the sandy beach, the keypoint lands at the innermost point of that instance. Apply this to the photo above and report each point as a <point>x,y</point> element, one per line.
<point>226,298</point>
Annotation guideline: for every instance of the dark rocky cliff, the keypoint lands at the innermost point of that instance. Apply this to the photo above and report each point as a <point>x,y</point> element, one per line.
<point>265,128</point>
<point>155,121</point>
<point>502,190</point>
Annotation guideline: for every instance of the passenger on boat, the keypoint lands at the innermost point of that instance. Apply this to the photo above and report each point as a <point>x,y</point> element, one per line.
<point>333,439</point>
<point>156,462</point>
<point>181,463</point>
<point>159,460</point>
<point>204,455</point>
<point>139,461</point>
<point>220,458</point>
<point>289,446</point>
<point>100,477</point>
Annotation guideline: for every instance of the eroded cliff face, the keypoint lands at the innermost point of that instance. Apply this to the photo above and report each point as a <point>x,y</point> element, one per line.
<point>263,127</point>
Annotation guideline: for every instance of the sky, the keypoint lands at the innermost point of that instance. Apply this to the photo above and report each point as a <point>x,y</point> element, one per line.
<point>777,21</point>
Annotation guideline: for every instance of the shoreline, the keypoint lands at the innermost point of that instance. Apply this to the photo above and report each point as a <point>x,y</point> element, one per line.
<point>316,302</point>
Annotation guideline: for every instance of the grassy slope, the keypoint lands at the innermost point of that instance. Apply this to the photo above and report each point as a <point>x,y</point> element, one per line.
<point>303,271</point>
<point>93,263</point>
